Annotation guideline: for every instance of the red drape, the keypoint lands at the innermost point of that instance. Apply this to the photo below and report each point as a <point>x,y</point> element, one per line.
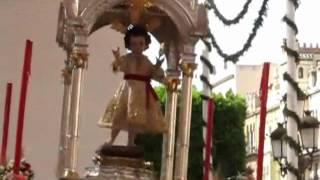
<point>149,90</point>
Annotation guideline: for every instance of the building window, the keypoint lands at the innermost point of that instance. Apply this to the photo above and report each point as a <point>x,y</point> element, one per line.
<point>300,73</point>
<point>314,78</point>
<point>315,172</point>
<point>248,140</point>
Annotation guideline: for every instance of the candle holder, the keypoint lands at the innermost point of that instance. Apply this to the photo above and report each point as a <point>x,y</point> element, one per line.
<point>16,177</point>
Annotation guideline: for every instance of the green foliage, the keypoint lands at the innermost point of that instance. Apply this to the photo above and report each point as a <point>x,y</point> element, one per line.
<point>228,137</point>
<point>229,147</point>
<point>195,163</point>
<point>152,143</point>
<point>152,146</point>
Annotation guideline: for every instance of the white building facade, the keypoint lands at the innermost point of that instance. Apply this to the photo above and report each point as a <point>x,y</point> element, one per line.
<point>308,72</point>
<point>246,82</point>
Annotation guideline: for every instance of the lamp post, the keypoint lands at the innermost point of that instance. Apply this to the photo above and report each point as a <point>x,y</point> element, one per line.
<point>309,133</point>
<point>279,147</point>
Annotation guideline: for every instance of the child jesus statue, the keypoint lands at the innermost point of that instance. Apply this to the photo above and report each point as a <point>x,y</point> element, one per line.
<point>135,107</point>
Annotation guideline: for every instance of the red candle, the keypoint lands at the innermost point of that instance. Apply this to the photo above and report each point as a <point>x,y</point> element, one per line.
<point>23,94</point>
<point>6,119</point>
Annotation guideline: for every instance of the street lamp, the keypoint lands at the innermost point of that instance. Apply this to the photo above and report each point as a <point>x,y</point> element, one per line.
<point>279,147</point>
<point>309,132</point>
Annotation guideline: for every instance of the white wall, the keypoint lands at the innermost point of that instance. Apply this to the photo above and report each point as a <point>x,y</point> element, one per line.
<point>37,20</point>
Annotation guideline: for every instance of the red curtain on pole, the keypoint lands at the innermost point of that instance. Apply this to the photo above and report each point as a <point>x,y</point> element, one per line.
<point>209,133</point>
<point>263,110</point>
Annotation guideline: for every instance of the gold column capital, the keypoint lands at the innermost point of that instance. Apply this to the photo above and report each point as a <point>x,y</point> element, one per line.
<point>172,83</point>
<point>188,68</point>
<point>79,59</point>
<point>66,74</point>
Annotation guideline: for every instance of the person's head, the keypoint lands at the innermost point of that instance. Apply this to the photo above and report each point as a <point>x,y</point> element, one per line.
<point>137,39</point>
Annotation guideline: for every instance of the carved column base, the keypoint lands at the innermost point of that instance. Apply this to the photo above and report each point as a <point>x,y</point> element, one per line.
<point>69,175</point>
<point>121,163</point>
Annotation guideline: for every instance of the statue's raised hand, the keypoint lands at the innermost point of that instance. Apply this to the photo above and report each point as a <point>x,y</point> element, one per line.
<point>159,61</point>
<point>116,62</point>
<point>116,53</point>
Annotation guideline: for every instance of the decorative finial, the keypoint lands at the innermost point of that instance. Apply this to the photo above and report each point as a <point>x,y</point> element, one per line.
<point>135,9</point>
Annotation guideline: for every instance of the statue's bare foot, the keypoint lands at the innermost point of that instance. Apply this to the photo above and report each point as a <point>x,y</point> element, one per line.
<point>131,144</point>
<point>110,143</point>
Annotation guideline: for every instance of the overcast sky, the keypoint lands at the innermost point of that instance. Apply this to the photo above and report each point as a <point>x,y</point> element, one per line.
<point>266,45</point>
<point>36,19</point>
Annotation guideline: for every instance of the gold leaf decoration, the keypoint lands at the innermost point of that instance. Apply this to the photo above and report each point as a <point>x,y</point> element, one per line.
<point>139,4</point>
<point>153,23</point>
<point>118,26</point>
<point>135,9</point>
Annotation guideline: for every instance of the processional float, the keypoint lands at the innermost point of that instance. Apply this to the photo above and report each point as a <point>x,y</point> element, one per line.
<point>179,24</point>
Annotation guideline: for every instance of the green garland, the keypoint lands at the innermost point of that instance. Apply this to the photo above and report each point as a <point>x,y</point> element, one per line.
<point>300,94</point>
<point>206,62</point>
<point>207,44</point>
<point>292,114</point>
<point>205,97</point>
<point>257,24</point>
<point>295,3</point>
<point>294,170</point>
<point>205,81</point>
<point>211,5</point>
<point>291,52</point>
<point>293,144</point>
<point>291,23</point>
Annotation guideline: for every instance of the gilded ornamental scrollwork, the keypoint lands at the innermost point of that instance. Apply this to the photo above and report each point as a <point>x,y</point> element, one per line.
<point>79,59</point>
<point>172,83</point>
<point>188,68</point>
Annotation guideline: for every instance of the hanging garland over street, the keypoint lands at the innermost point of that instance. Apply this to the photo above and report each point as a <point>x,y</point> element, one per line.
<point>211,5</point>
<point>257,24</point>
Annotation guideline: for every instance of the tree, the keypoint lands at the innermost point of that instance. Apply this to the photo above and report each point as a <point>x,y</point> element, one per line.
<point>228,149</point>
<point>228,137</point>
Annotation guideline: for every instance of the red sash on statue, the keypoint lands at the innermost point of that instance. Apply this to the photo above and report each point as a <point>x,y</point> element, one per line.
<point>147,80</point>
